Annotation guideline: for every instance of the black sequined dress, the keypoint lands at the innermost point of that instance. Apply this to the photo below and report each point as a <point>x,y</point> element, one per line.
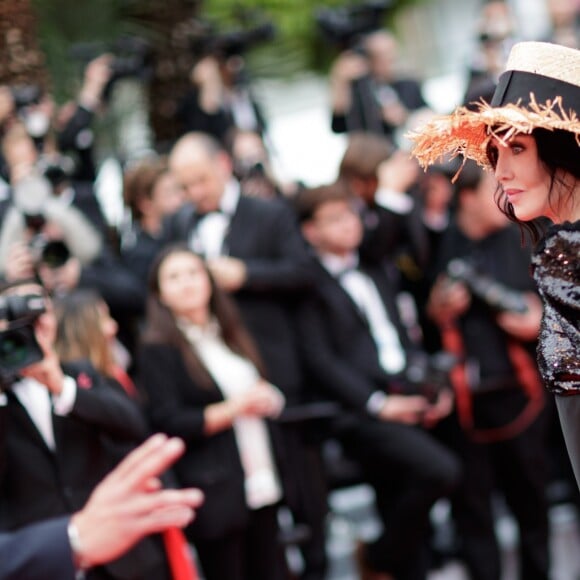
<point>556,269</point>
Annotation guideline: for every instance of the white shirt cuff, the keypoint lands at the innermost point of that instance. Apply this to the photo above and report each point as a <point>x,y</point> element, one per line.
<point>376,402</point>
<point>62,404</point>
<point>395,201</point>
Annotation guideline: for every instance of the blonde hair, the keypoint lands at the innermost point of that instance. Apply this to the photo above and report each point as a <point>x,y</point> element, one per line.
<point>79,331</point>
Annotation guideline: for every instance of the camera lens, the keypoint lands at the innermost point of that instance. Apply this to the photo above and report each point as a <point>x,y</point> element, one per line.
<point>13,350</point>
<point>18,349</point>
<point>55,254</point>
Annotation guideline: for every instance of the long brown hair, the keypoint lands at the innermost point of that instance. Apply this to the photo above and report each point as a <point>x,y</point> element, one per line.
<point>79,331</point>
<point>162,326</point>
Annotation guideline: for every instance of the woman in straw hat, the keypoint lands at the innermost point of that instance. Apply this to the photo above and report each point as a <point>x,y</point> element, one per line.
<point>530,136</point>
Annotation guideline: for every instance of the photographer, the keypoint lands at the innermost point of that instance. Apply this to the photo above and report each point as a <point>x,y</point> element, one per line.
<point>74,119</point>
<point>41,233</point>
<point>356,353</point>
<point>367,93</point>
<point>58,422</point>
<point>487,309</point>
<point>220,99</point>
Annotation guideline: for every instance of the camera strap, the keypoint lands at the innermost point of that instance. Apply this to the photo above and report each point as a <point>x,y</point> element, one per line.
<point>527,377</point>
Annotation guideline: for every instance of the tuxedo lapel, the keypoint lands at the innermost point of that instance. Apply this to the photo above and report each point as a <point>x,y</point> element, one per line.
<point>340,296</point>
<point>385,289</point>
<point>240,229</point>
<point>21,418</point>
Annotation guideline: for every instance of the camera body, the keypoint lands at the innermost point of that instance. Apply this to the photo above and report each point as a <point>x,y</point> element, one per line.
<point>426,375</point>
<point>205,40</point>
<point>344,26</point>
<point>493,293</point>
<point>30,196</point>
<point>51,253</point>
<point>25,95</point>
<point>18,345</point>
<point>132,58</point>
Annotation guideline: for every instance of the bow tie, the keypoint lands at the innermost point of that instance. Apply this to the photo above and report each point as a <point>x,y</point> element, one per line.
<point>218,211</point>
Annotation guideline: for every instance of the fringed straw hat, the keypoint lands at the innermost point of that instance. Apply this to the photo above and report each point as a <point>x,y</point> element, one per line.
<point>540,89</point>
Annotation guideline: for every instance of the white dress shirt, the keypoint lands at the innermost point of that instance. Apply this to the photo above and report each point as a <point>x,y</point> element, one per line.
<point>365,295</point>
<point>40,404</point>
<point>207,239</point>
<point>234,375</point>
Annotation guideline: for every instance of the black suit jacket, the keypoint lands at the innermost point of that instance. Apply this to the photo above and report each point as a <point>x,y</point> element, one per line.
<point>341,357</point>
<point>176,406</point>
<point>37,483</point>
<point>219,124</point>
<point>365,112</point>
<point>37,552</point>
<point>265,236</point>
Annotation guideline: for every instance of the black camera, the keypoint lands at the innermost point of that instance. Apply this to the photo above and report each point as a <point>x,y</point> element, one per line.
<point>425,374</point>
<point>132,58</point>
<point>57,169</point>
<point>493,293</point>
<point>25,95</point>
<point>51,253</point>
<point>344,26</point>
<point>18,345</point>
<point>205,40</point>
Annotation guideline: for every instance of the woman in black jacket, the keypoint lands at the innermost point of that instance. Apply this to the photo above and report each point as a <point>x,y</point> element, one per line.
<point>202,376</point>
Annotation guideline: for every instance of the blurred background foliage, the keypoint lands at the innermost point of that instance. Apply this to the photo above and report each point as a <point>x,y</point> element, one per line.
<point>298,45</point>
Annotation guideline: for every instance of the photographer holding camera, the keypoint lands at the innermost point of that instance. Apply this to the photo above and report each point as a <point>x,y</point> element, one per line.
<point>221,99</point>
<point>357,354</point>
<point>367,93</point>
<point>485,304</point>
<point>57,425</point>
<point>41,233</point>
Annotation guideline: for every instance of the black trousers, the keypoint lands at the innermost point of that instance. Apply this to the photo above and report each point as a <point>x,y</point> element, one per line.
<point>569,413</point>
<point>515,467</point>
<point>253,553</point>
<point>409,471</point>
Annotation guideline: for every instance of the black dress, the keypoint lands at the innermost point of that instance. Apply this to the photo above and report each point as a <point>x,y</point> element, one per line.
<point>556,267</point>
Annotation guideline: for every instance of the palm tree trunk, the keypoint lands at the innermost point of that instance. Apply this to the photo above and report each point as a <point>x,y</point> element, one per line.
<point>22,61</point>
<point>169,23</point>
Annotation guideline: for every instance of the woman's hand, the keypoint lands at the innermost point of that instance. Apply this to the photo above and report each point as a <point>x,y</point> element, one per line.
<point>262,400</point>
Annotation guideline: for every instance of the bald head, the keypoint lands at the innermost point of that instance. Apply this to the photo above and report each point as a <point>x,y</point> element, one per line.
<point>202,167</point>
<point>381,48</point>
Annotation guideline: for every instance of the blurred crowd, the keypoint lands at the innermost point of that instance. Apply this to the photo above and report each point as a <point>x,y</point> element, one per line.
<point>390,312</point>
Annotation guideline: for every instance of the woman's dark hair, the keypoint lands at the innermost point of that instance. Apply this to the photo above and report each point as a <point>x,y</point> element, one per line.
<point>557,150</point>
<point>139,182</point>
<point>162,326</point>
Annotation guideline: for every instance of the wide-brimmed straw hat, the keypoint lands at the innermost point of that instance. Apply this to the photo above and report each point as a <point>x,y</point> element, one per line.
<point>539,89</point>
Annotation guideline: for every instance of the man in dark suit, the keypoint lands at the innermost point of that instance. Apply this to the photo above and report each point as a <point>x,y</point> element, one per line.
<point>120,511</point>
<point>254,250</point>
<point>56,430</point>
<point>367,93</point>
<point>356,352</point>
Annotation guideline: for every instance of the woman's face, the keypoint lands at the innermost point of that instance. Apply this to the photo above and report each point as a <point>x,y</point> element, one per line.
<point>524,179</point>
<point>109,326</point>
<point>184,285</point>
<point>167,197</point>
